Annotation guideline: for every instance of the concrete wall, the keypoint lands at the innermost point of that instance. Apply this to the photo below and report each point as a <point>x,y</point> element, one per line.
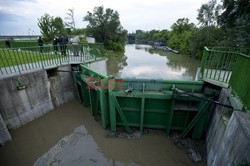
<point>228,142</point>
<point>99,66</point>
<point>41,95</point>
<point>4,133</point>
<point>62,87</point>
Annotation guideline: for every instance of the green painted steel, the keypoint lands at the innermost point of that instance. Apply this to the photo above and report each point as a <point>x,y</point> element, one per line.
<point>216,66</point>
<point>96,98</point>
<point>228,66</point>
<point>155,106</point>
<point>240,80</point>
<point>143,103</point>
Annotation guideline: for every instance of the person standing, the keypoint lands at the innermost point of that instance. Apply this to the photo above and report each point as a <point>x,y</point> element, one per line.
<point>40,43</point>
<point>60,41</point>
<point>65,41</point>
<point>7,43</point>
<point>55,42</point>
<point>75,43</point>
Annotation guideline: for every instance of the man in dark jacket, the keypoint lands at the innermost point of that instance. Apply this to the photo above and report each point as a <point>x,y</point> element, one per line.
<point>55,42</point>
<point>7,43</point>
<point>60,42</point>
<point>40,43</point>
<point>65,41</point>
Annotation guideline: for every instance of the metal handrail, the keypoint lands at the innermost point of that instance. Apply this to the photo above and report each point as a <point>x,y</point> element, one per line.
<point>226,68</point>
<point>219,51</point>
<point>17,60</point>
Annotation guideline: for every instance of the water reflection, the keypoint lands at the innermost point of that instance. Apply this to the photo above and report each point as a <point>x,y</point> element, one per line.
<point>142,61</point>
<point>116,64</point>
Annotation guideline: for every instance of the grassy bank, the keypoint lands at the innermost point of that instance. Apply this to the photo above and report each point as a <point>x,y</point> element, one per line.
<point>12,58</point>
<point>20,43</point>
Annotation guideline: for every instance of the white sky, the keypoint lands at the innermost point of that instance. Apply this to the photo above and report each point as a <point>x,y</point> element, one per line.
<point>20,16</point>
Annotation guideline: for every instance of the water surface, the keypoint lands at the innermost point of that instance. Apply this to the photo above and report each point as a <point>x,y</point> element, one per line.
<point>36,138</point>
<point>142,61</point>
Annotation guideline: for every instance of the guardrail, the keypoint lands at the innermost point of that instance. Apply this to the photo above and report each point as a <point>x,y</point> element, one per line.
<point>222,66</point>
<point>18,60</point>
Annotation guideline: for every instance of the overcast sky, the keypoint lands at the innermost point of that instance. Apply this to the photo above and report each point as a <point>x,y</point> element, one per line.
<point>19,17</point>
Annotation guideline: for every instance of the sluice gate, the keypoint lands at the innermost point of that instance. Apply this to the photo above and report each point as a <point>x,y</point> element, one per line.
<point>145,103</point>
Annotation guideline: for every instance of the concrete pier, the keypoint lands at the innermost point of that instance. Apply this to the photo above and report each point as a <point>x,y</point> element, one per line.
<point>4,133</point>
<point>228,137</point>
<point>26,97</point>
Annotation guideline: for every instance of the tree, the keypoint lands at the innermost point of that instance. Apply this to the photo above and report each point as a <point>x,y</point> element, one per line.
<point>70,19</point>
<point>50,26</point>
<point>104,25</point>
<point>235,22</point>
<point>180,35</point>
<point>58,27</point>
<point>200,39</point>
<point>208,13</point>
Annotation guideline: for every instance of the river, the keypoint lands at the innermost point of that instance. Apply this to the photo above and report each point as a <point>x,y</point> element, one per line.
<point>142,61</point>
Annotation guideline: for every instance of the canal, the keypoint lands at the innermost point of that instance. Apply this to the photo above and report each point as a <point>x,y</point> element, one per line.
<point>142,61</point>
<point>35,139</point>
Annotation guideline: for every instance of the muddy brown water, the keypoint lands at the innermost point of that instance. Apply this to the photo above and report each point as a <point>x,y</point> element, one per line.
<point>37,137</point>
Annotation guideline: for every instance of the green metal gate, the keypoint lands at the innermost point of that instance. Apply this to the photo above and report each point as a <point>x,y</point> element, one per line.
<point>144,103</point>
<point>96,98</point>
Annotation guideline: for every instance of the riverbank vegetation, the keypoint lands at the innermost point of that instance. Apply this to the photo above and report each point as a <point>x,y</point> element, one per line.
<point>103,24</point>
<point>20,43</point>
<point>226,24</point>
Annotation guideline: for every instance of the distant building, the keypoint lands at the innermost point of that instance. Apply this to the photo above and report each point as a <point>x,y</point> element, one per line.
<point>90,39</point>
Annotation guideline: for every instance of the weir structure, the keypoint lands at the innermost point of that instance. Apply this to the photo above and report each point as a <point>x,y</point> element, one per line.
<point>166,104</point>
<point>191,107</point>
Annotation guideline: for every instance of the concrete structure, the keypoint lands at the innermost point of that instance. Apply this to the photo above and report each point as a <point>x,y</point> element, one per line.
<point>26,97</point>
<point>4,133</point>
<point>38,93</point>
<point>78,148</point>
<point>99,66</point>
<point>228,137</point>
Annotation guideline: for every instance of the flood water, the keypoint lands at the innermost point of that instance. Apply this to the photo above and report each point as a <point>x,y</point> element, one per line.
<point>37,137</point>
<point>142,61</point>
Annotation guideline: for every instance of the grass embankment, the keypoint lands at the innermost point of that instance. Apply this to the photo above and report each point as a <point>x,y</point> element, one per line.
<point>20,43</point>
<point>15,57</point>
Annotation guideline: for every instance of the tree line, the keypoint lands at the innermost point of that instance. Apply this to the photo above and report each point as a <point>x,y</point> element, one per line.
<point>103,24</point>
<point>226,24</point>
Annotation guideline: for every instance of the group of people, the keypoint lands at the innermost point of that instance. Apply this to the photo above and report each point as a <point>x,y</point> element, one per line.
<point>61,42</point>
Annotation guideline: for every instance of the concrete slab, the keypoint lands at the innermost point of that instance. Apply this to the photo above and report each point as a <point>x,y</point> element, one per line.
<point>76,149</point>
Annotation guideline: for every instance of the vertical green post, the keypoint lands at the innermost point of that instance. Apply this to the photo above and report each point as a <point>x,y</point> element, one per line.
<point>142,114</point>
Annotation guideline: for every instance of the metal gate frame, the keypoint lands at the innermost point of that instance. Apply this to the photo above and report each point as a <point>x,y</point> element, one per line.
<point>138,103</point>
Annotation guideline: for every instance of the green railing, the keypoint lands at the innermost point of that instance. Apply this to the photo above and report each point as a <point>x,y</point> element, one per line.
<point>240,79</point>
<point>228,67</point>
<point>18,60</point>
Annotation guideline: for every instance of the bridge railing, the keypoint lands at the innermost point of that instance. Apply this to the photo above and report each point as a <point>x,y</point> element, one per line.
<point>217,65</point>
<point>18,60</point>
<point>222,66</point>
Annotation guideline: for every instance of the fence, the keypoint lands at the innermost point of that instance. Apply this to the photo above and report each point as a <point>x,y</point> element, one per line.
<point>18,60</point>
<point>230,67</point>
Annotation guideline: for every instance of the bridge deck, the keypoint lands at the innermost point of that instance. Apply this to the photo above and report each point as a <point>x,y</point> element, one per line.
<point>48,64</point>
